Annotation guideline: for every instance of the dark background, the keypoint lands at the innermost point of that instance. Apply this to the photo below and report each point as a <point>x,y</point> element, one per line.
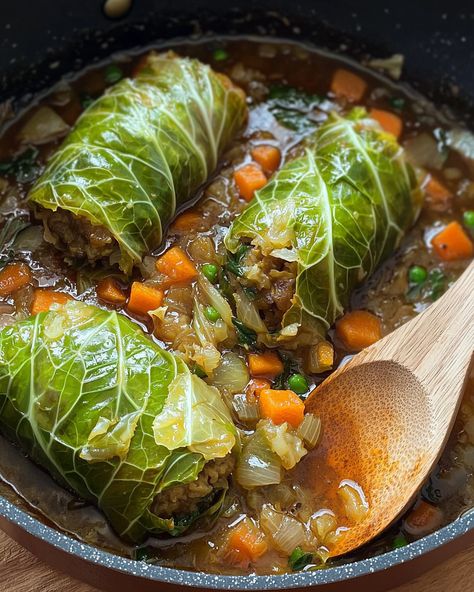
<point>437,38</point>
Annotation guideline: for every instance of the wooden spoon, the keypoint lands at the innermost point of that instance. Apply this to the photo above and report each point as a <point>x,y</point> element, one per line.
<point>387,414</point>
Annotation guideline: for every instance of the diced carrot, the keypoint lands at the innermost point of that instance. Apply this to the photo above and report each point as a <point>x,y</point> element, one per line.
<point>423,519</point>
<point>177,267</point>
<point>256,386</point>
<point>267,364</point>
<point>349,85</point>
<point>268,157</point>
<point>144,298</point>
<point>43,300</point>
<point>453,243</point>
<point>13,277</point>
<point>189,220</point>
<point>358,329</point>
<point>437,192</point>
<point>249,179</point>
<point>109,291</point>
<point>390,122</point>
<point>245,543</point>
<point>281,406</point>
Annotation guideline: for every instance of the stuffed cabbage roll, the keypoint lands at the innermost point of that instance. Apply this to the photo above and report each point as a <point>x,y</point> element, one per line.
<point>115,418</point>
<point>135,156</point>
<point>319,228</point>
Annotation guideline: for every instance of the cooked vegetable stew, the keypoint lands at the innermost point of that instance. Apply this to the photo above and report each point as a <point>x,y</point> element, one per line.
<point>192,240</point>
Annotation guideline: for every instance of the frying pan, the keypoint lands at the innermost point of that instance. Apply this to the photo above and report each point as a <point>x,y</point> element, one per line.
<point>42,40</point>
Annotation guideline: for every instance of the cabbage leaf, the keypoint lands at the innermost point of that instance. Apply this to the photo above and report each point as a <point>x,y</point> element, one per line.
<point>86,394</point>
<point>141,151</point>
<point>338,210</point>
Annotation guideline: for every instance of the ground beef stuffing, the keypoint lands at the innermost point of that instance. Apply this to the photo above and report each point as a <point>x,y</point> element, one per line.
<point>76,235</point>
<point>184,499</point>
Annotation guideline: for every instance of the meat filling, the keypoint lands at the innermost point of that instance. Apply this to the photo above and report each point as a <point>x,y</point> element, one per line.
<point>185,499</point>
<point>76,235</point>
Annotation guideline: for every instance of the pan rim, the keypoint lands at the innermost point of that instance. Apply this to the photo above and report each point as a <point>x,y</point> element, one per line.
<point>460,526</point>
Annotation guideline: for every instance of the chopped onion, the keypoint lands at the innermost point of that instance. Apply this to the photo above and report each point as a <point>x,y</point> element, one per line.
<point>247,312</point>
<point>283,442</point>
<point>423,151</point>
<point>43,127</point>
<point>208,333</point>
<point>310,430</point>
<point>283,496</point>
<point>353,498</point>
<point>320,357</point>
<point>62,94</point>
<point>29,239</point>
<point>462,141</point>
<point>215,299</point>
<point>392,66</point>
<point>231,375</point>
<point>258,465</point>
<point>247,411</point>
<point>206,356</point>
<point>323,523</point>
<point>285,254</point>
<point>286,532</point>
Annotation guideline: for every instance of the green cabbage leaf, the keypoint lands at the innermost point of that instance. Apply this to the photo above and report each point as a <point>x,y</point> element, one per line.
<point>338,211</point>
<point>90,398</point>
<point>141,151</point>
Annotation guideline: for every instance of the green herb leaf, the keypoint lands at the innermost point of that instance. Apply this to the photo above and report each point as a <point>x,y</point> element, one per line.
<point>23,167</point>
<point>299,559</point>
<point>291,107</point>
<point>234,261</point>
<point>437,281</point>
<point>199,371</point>
<point>290,367</point>
<point>246,336</point>
<point>251,293</point>
<point>8,234</point>
<point>143,554</point>
<point>431,288</point>
<point>224,286</point>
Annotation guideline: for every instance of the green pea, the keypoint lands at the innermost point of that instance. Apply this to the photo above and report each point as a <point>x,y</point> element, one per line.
<point>417,274</point>
<point>298,384</point>
<point>220,55</point>
<point>210,271</point>
<point>86,101</point>
<point>399,541</point>
<point>397,103</point>
<point>468,218</point>
<point>113,74</point>
<point>211,314</point>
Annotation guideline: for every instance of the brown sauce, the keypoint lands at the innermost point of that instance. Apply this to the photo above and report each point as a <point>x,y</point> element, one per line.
<point>257,67</point>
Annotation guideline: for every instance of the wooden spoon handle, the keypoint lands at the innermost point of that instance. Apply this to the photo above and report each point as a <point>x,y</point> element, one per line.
<point>438,345</point>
